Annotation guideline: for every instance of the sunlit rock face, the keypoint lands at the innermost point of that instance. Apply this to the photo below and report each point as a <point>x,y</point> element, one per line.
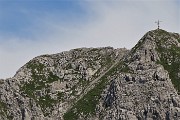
<point>99,83</point>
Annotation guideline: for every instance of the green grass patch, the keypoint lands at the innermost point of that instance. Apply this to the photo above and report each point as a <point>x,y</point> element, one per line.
<point>40,81</point>
<point>87,104</point>
<point>46,102</point>
<point>3,109</point>
<point>60,96</point>
<point>35,65</point>
<point>172,54</point>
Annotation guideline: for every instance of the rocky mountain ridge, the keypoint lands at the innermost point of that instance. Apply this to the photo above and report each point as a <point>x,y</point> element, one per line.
<point>99,83</point>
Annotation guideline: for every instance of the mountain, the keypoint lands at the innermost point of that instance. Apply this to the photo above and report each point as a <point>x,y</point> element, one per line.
<point>99,83</point>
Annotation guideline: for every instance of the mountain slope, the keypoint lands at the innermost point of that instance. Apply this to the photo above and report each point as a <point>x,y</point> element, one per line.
<point>138,87</point>
<point>99,83</point>
<point>47,85</point>
<point>146,90</point>
<point>168,45</point>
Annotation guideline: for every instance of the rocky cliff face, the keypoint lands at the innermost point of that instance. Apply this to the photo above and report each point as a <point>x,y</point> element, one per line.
<point>99,83</point>
<point>145,90</point>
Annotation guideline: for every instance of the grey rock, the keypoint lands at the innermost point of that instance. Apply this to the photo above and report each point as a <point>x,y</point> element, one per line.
<point>138,87</point>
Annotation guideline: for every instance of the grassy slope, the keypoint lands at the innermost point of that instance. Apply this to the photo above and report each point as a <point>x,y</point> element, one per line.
<point>165,56</point>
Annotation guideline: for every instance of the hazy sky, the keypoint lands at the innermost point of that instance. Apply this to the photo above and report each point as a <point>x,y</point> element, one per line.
<point>29,28</point>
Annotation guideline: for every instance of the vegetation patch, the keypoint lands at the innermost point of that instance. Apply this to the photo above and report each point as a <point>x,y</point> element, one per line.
<point>38,82</point>
<point>87,104</point>
<point>161,32</point>
<point>3,108</point>
<point>46,102</point>
<point>34,65</point>
<point>60,96</point>
<point>3,111</point>
<point>1,81</point>
<point>125,68</point>
<point>170,59</point>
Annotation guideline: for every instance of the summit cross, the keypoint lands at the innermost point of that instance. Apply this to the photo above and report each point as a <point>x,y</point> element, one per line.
<point>158,22</point>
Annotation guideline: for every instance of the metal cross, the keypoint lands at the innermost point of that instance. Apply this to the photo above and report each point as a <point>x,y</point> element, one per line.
<point>158,22</point>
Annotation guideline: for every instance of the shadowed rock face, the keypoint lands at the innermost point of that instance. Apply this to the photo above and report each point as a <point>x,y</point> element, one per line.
<point>99,83</point>
<point>110,97</point>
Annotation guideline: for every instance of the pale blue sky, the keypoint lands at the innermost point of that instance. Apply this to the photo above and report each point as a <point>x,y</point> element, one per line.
<point>23,19</point>
<point>33,27</point>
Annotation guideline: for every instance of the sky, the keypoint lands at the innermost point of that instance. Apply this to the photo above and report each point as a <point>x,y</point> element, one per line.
<point>29,28</point>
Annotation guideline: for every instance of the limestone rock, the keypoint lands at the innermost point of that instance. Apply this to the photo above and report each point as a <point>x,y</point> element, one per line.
<point>99,83</point>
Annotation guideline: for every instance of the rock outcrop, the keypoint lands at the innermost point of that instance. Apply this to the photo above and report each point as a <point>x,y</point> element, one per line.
<point>46,86</point>
<point>145,91</point>
<point>99,83</point>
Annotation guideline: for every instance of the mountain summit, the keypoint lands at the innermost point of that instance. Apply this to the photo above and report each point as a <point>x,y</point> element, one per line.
<point>99,83</point>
